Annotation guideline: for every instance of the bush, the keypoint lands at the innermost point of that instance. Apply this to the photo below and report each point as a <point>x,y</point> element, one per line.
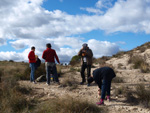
<point>141,95</point>
<point>119,54</point>
<point>68,105</point>
<point>120,91</point>
<point>75,60</point>
<point>117,80</point>
<point>70,82</point>
<point>139,63</point>
<point>26,75</point>
<point>72,69</point>
<point>1,73</point>
<point>59,72</point>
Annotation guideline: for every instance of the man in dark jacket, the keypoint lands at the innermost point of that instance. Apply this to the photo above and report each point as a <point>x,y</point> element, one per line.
<point>50,55</point>
<point>86,61</point>
<point>103,77</point>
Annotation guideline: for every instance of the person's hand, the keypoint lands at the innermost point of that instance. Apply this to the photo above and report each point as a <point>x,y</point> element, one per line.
<point>99,91</point>
<point>83,54</point>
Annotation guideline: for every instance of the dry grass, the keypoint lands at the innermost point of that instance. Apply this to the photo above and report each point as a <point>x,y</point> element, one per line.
<point>119,54</point>
<point>118,80</point>
<point>68,105</point>
<point>140,96</point>
<point>12,97</point>
<point>120,91</point>
<point>70,82</point>
<point>139,63</point>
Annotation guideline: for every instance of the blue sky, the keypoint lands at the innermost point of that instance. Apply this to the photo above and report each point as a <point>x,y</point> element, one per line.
<point>108,26</point>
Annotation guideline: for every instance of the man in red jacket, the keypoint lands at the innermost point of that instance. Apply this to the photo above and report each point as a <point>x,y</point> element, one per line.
<point>32,60</point>
<point>50,55</point>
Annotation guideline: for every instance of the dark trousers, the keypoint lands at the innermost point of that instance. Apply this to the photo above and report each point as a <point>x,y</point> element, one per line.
<point>105,88</point>
<point>51,70</point>
<point>83,67</point>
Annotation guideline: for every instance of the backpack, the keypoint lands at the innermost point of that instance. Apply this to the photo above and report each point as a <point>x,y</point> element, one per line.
<point>38,62</point>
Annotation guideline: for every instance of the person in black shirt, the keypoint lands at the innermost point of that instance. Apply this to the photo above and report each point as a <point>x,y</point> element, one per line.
<point>103,77</point>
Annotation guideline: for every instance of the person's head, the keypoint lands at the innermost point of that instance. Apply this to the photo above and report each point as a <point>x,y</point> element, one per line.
<point>85,46</point>
<point>33,48</point>
<point>48,45</point>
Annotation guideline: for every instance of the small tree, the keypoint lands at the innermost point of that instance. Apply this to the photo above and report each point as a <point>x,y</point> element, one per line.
<point>75,60</point>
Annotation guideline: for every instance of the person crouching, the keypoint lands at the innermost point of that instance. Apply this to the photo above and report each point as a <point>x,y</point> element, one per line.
<point>103,77</point>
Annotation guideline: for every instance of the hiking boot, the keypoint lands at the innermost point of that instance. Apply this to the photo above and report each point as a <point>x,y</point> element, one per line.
<point>81,83</point>
<point>100,103</point>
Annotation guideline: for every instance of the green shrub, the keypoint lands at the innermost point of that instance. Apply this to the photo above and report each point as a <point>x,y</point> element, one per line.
<point>75,60</point>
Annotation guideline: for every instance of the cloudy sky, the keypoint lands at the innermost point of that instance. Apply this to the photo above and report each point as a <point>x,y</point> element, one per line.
<point>107,26</point>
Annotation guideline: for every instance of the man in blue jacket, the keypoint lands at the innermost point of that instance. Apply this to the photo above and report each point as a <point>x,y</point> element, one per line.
<point>103,77</point>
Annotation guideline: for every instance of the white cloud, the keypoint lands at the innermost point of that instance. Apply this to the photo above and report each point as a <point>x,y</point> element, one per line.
<point>104,4</point>
<point>93,10</point>
<point>127,16</point>
<point>64,53</point>
<point>26,22</point>
<point>103,48</point>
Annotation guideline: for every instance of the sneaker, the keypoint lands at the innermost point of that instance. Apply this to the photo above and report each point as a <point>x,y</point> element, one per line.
<point>81,83</point>
<point>88,84</point>
<point>34,82</point>
<point>48,84</point>
<point>100,103</point>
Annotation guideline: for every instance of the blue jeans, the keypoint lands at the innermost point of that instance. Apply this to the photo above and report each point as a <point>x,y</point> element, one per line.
<point>106,85</point>
<point>32,66</point>
<point>51,69</point>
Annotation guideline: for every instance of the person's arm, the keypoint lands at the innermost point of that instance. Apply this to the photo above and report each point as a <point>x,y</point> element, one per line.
<point>56,57</point>
<point>43,56</point>
<point>99,84</point>
<point>80,52</point>
<point>89,53</point>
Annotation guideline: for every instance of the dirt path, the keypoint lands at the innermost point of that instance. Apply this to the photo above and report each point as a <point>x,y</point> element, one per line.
<point>44,92</point>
